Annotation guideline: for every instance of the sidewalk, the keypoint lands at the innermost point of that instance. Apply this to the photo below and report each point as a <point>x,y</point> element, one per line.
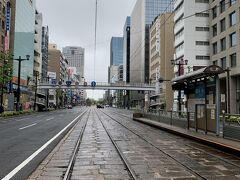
<point>227,145</point>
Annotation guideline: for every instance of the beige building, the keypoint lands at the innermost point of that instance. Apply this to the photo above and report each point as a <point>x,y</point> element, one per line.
<point>225,49</point>
<point>57,63</point>
<point>161,53</point>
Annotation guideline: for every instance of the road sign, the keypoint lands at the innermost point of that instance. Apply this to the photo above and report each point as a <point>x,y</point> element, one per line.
<point>93,83</point>
<point>76,84</point>
<point>54,81</point>
<point>68,83</point>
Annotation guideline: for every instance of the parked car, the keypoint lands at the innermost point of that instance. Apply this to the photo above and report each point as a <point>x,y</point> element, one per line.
<point>69,106</point>
<point>99,106</point>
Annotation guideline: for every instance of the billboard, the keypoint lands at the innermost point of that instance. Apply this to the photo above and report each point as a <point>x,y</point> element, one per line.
<point>52,75</point>
<point>72,71</point>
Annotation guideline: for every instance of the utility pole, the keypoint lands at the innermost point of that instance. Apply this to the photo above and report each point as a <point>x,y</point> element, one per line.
<point>19,76</point>
<point>35,95</point>
<point>179,64</point>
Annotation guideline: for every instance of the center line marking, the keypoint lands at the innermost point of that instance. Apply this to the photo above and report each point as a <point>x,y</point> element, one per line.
<point>27,126</point>
<point>50,119</point>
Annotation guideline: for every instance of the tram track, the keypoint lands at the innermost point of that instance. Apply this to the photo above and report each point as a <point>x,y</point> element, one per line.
<point>193,172</point>
<point>70,166</point>
<point>125,161</point>
<point>204,151</point>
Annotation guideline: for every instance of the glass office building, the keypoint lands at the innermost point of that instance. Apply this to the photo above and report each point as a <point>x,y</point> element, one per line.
<point>143,14</point>
<point>24,38</point>
<point>155,7</point>
<point>116,51</point>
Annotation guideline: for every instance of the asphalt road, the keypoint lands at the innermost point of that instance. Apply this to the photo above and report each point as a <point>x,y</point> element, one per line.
<point>21,136</point>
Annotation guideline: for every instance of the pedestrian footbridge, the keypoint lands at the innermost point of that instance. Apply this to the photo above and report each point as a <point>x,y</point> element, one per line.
<point>100,86</point>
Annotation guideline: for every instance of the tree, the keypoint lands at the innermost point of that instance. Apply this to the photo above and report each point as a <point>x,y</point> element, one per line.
<point>6,66</point>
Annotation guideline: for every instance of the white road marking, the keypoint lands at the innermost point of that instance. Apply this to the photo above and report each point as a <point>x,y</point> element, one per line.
<point>23,119</point>
<point>50,119</point>
<point>30,158</point>
<point>28,126</point>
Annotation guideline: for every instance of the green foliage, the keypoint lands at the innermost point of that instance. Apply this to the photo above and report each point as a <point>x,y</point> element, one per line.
<point>14,113</point>
<point>6,67</point>
<point>233,118</point>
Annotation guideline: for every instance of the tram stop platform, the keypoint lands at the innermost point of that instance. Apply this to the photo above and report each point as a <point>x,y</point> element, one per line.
<point>227,145</point>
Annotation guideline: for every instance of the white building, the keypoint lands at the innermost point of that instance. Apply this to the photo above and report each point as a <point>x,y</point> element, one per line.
<point>75,56</point>
<point>191,32</point>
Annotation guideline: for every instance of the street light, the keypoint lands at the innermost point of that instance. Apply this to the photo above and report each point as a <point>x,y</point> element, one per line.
<point>19,59</point>
<point>180,63</point>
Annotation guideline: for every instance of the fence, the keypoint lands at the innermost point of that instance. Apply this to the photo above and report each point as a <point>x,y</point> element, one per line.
<point>174,118</point>
<point>230,123</point>
<point>231,126</point>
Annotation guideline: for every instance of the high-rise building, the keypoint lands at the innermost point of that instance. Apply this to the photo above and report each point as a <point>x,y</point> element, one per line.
<point>76,57</point>
<point>142,16</point>
<point>45,40</point>
<point>191,39</point>
<point>23,28</point>
<point>126,50</point>
<point>225,49</point>
<point>161,53</point>
<point>116,51</point>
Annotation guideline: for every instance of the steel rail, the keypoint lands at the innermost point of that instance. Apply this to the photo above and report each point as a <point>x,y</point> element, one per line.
<point>181,164</point>
<point>125,161</point>
<point>208,153</point>
<point>68,173</point>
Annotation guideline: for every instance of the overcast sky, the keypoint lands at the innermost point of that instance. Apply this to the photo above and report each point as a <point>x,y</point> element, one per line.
<point>71,23</point>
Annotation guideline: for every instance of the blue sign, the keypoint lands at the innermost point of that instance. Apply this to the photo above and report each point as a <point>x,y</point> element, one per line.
<point>93,83</point>
<point>54,81</point>
<point>8,17</point>
<point>68,83</point>
<point>200,90</point>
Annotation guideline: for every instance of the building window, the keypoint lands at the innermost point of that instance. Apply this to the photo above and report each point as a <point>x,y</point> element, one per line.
<point>202,43</point>
<point>214,30</point>
<point>198,57</point>
<point>233,60</point>
<point>3,25</point>
<point>223,63</point>
<point>223,44</point>
<point>202,14</point>
<point>233,39</point>
<point>232,19</point>
<point>231,2</point>
<point>215,62</point>
<point>222,6</point>
<point>202,28</point>
<point>202,1</point>
<point>223,25</point>
<point>214,12</point>
<point>214,46</point>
